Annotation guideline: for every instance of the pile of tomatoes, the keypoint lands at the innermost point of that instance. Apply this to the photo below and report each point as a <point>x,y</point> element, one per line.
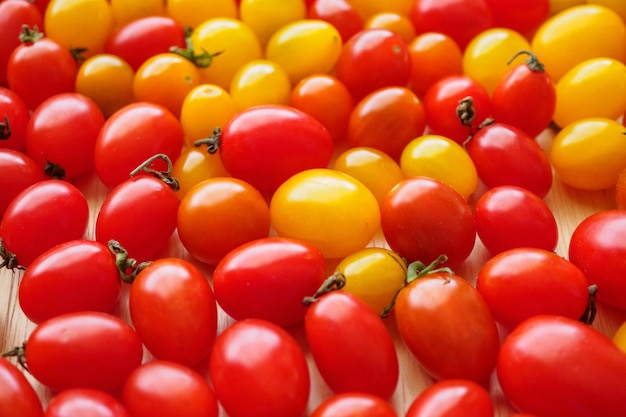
<point>206,203</point>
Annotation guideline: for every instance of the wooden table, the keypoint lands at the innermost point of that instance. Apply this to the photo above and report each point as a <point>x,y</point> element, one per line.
<point>569,206</point>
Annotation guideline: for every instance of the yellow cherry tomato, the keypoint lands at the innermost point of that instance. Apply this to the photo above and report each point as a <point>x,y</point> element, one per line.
<point>557,6</point>
<point>193,12</point>
<point>195,165</point>
<point>327,208</point>
<point>267,16</point>
<point>619,338</point>
<point>394,22</point>
<point>577,34</point>
<point>486,58</point>
<point>589,154</point>
<point>374,168</point>
<point>206,107</point>
<point>235,41</point>
<point>593,88</point>
<point>368,8</point>
<point>260,82</point>
<point>305,47</point>
<point>374,275</point>
<point>443,159</point>
<point>110,71</point>
<point>79,24</point>
<point>618,6</point>
<point>125,11</point>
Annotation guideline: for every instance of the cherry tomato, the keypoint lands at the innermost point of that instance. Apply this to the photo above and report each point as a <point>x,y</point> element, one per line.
<point>85,401</point>
<point>339,13</point>
<point>193,13</point>
<point>510,217</point>
<point>395,22</point>
<point>164,388</point>
<point>356,358</point>
<point>422,218</point>
<point>83,350</point>
<point>536,373</point>
<point>383,53</point>
<point>268,278</point>
<point>368,8</point>
<point>342,214</point>
<point>354,404</point>
<point>244,354</point>
<point>219,214</point>
<point>266,17</point>
<point>260,82</point>
<point>451,398</point>
<point>205,107</point>
<point>15,115</point>
<point>522,16</point>
<point>17,396</point>
<point>17,172</point>
<point>194,166</point>
<point>43,215</point>
<point>128,11</point>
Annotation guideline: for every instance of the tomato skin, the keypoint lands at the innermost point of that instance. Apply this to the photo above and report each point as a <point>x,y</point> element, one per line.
<point>522,16</point>
<point>268,278</point>
<point>17,172</point>
<point>83,350</point>
<point>83,401</point>
<point>354,404</point>
<point>356,358</point>
<point>450,398</point>
<point>340,13</point>
<point>446,324</point>
<point>13,107</point>
<point>173,310</point>
<point>17,396</point>
<point>524,282</point>
<point>43,215</point>
<point>244,354</point>
<point>536,373</point>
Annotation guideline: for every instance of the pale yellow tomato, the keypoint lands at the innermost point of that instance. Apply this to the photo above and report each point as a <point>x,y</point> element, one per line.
<point>394,22</point>
<point>125,11</point>
<point>195,165</point>
<point>368,8</point>
<point>305,47</point>
<point>374,168</point>
<point>441,158</point>
<point>193,12</point>
<point>593,88</point>
<point>487,57</point>
<point>619,338</point>
<point>618,6</point>
<point>206,107</point>
<point>267,16</point>
<point>260,82</point>
<point>235,41</point>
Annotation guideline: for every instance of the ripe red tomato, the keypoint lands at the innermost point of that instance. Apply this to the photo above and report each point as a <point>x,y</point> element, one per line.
<point>546,365</point>
<point>85,401</point>
<point>354,404</point>
<point>243,356</point>
<point>451,398</point>
<point>14,115</point>
<point>17,396</point>
<point>340,13</point>
<point>523,16</point>
<point>17,172</point>
<point>360,357</point>
<point>173,310</point>
<point>423,218</point>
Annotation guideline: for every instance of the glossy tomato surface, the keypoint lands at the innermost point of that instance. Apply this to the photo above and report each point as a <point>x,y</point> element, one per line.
<point>17,396</point>
<point>18,172</point>
<point>450,398</point>
<point>79,401</point>
<point>353,405</point>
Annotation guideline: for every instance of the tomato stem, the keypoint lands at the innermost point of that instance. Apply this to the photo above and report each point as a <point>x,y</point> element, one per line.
<point>20,353</point>
<point>54,170</point>
<point>29,35</point>
<point>590,311</point>
<point>203,60</point>
<point>532,61</point>
<point>165,176</point>
<point>127,267</point>
<point>335,282</point>
<point>212,142</point>
<point>5,129</point>
<point>9,259</point>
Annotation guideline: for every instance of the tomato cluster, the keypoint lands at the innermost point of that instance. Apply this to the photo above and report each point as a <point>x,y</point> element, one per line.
<point>206,204</point>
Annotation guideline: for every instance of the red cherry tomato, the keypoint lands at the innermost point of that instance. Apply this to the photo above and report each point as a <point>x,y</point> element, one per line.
<point>85,401</point>
<point>340,13</point>
<point>354,404</point>
<point>546,364</point>
<point>17,396</point>
<point>523,16</point>
<point>451,398</point>
<point>17,172</point>
<point>14,116</point>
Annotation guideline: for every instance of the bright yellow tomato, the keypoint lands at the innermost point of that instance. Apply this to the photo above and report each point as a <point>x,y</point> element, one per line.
<point>195,165</point>
<point>374,168</point>
<point>235,40</point>
<point>618,6</point>
<point>589,154</point>
<point>205,107</point>
<point>260,82</point>
<point>125,11</point>
<point>110,71</point>
<point>305,47</point>
<point>577,34</point>
<point>486,58</point>
<point>593,88</point>
<point>368,8</point>
<point>394,22</point>
<point>373,274</point>
<point>193,12</point>
<point>84,24</point>
<point>619,338</point>
<point>267,16</point>
<point>443,159</point>
<point>328,209</point>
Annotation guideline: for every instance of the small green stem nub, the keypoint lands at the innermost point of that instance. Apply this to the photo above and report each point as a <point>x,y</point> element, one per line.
<point>590,312</point>
<point>212,142</point>
<point>165,176</point>
<point>127,267</point>
<point>5,129</point>
<point>335,282</point>
<point>532,61</point>
<point>9,259</point>
<point>203,60</point>
<point>18,352</point>
<point>29,35</point>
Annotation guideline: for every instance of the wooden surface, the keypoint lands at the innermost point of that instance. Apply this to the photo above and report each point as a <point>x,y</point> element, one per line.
<point>569,206</point>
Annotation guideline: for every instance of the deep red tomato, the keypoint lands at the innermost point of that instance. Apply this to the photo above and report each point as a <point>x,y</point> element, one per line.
<point>17,396</point>
<point>162,388</point>
<point>243,356</point>
<point>83,350</point>
<point>17,172</point>
<point>452,398</point>
<point>525,97</point>
<point>354,404</point>
<point>506,155</point>
<point>173,310</point>
<point>372,59</point>
<point>264,145</point>
<point>523,16</point>
<point>73,276</point>
<point>441,103</point>
<point>133,134</point>
<point>524,282</point>
<point>360,357</point>
<point>140,39</point>
<point>547,363</point>
<point>14,116</point>
<point>423,218</point>
<point>65,153</point>
<point>268,278</point>
<point>43,215</point>
<point>510,217</point>
<point>598,246</point>
<point>340,13</point>
<point>85,402</point>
